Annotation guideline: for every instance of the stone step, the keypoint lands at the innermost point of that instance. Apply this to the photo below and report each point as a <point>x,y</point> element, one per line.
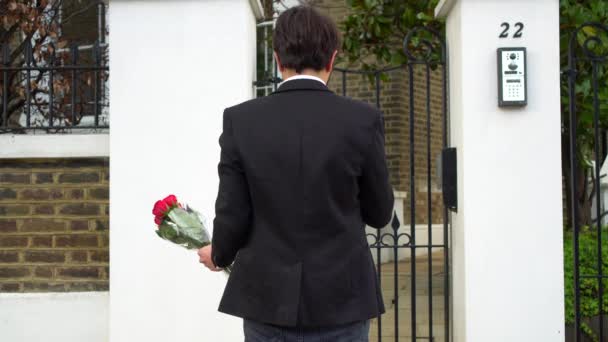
<point>388,332</point>
<point>421,263</point>
<point>404,285</point>
<point>405,336</point>
<point>422,313</point>
<point>404,309</point>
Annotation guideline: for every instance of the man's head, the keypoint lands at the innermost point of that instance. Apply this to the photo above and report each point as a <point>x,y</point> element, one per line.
<point>305,41</point>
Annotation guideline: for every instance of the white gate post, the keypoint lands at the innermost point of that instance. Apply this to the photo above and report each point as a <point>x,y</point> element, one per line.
<point>507,270</point>
<point>175,65</point>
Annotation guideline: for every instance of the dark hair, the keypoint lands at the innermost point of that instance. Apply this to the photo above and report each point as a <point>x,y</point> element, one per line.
<point>304,38</point>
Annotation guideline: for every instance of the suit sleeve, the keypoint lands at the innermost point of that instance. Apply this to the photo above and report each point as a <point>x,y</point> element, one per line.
<point>376,193</point>
<point>233,205</point>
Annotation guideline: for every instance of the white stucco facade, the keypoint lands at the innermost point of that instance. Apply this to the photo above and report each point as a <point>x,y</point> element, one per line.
<point>175,66</point>
<point>508,282</point>
<point>54,146</point>
<point>54,317</point>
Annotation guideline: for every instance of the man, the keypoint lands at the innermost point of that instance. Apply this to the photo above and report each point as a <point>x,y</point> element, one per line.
<point>301,173</point>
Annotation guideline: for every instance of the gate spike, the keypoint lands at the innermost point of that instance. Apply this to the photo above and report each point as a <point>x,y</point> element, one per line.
<point>395,222</point>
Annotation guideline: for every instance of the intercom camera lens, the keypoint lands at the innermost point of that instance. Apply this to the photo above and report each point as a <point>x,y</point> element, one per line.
<point>512,56</point>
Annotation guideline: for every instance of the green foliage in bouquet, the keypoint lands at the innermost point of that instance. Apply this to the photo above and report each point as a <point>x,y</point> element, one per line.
<point>184,228</point>
<point>181,225</point>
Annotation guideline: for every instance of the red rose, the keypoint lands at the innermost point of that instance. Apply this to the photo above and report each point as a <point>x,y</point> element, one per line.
<point>165,205</point>
<point>160,208</point>
<point>158,220</point>
<point>170,200</point>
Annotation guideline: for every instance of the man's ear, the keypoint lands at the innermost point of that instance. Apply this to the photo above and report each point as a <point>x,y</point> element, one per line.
<point>279,65</point>
<point>330,65</point>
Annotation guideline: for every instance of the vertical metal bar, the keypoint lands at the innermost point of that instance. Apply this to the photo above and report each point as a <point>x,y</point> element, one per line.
<point>604,143</point>
<point>74,51</point>
<point>343,83</point>
<point>6,63</point>
<point>101,22</point>
<point>379,268</point>
<point>102,41</point>
<point>51,86</point>
<point>573,189</point>
<point>28,75</point>
<point>379,250</point>
<point>274,63</point>
<point>267,70</point>
<point>429,198</point>
<point>598,162</point>
<point>446,255</point>
<point>276,76</point>
<point>396,279</point>
<point>275,68</point>
<point>395,250</point>
<point>378,231</point>
<point>96,52</point>
<point>412,202</point>
<point>377,81</point>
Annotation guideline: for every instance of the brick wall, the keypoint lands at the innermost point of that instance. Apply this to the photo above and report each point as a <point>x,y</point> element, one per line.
<point>395,99</point>
<point>54,225</point>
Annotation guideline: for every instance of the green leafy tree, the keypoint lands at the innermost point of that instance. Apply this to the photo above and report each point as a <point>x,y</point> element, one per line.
<point>374,31</point>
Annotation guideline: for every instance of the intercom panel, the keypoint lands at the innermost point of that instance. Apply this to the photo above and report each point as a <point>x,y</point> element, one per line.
<point>512,81</point>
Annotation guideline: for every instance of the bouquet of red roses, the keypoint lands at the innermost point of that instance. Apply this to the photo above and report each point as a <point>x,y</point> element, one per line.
<point>181,224</point>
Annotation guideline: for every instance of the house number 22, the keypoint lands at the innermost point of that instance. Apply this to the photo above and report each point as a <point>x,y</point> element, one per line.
<point>505,31</point>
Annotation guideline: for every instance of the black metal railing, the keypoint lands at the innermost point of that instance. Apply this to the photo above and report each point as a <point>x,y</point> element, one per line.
<point>432,54</point>
<point>48,85</point>
<point>585,125</point>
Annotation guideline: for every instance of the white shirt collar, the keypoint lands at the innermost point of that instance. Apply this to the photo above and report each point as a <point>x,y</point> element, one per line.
<point>302,77</point>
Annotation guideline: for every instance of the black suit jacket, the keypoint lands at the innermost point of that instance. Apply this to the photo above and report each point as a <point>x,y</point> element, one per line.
<point>301,173</point>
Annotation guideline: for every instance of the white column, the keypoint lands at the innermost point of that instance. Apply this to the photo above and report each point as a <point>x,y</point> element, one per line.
<point>175,65</point>
<point>507,271</point>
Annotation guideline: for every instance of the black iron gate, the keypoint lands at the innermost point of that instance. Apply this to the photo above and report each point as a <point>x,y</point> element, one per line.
<point>412,262</point>
<point>586,267</point>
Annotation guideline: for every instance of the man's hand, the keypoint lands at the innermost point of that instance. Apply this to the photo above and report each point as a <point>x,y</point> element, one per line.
<point>204,255</point>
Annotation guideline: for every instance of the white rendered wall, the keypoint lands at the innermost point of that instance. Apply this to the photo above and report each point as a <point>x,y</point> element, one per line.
<point>54,317</point>
<point>175,66</point>
<point>54,146</point>
<point>507,262</point>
